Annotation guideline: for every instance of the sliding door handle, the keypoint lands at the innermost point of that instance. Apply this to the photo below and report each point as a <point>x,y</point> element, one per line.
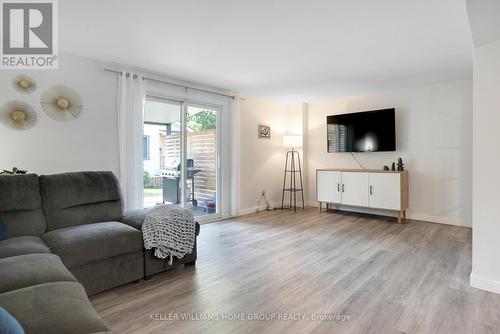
<point>371,190</point>
<point>342,187</point>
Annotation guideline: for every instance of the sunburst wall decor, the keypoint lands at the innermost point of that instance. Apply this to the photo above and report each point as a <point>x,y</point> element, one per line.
<point>18,115</point>
<point>61,103</point>
<point>24,84</point>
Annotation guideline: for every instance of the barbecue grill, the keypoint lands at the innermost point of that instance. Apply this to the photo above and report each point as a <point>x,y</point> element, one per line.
<point>171,175</point>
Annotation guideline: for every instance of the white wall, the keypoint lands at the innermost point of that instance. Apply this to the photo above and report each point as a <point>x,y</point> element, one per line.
<point>434,138</point>
<point>263,160</point>
<point>486,161</point>
<point>88,143</point>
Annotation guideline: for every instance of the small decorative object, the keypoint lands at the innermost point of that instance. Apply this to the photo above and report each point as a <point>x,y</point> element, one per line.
<point>17,115</point>
<point>401,166</point>
<point>393,167</point>
<point>386,167</point>
<point>61,103</point>
<point>23,84</point>
<point>14,171</point>
<point>264,131</point>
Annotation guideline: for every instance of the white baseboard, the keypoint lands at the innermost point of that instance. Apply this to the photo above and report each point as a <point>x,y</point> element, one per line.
<point>255,209</point>
<point>484,284</point>
<point>410,215</point>
<point>414,216</point>
<point>438,220</point>
<point>248,211</point>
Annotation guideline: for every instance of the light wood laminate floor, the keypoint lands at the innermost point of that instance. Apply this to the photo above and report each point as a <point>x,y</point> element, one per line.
<point>389,278</point>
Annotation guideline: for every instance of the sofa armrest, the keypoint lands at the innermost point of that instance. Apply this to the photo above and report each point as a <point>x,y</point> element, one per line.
<point>135,218</point>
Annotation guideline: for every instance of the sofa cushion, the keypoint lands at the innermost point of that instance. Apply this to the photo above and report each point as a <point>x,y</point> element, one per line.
<point>60,307</point>
<point>83,244</point>
<point>21,271</point>
<point>21,205</point>
<point>72,199</point>
<point>22,245</point>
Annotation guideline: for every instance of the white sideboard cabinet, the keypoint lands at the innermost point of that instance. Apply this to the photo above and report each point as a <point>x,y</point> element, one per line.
<point>377,189</point>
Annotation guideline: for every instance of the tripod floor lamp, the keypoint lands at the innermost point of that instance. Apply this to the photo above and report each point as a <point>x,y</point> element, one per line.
<point>292,179</point>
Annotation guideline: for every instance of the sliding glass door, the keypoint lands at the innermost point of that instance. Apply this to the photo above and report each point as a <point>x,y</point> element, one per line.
<point>181,155</point>
<point>162,151</point>
<point>202,153</point>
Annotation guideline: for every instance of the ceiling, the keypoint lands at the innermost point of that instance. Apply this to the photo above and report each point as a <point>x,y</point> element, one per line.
<point>282,49</point>
<point>484,17</point>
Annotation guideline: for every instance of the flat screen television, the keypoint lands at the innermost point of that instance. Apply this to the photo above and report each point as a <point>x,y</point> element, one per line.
<point>368,131</point>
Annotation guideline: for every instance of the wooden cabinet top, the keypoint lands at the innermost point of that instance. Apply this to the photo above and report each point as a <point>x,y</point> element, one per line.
<point>361,170</point>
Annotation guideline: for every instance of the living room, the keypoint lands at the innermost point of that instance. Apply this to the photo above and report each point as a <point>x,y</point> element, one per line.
<point>222,166</point>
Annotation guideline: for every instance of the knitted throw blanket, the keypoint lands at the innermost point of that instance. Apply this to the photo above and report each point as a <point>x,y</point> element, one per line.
<point>170,230</point>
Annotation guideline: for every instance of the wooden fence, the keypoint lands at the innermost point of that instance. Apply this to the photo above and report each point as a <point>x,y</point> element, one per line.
<point>202,148</point>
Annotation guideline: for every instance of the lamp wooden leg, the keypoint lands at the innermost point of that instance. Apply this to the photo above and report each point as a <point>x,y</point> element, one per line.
<point>319,206</point>
<point>404,215</point>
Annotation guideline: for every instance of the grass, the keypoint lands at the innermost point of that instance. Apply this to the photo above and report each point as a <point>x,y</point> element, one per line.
<point>148,192</point>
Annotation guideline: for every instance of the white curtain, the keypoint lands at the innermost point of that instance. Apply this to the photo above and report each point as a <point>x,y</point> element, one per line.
<point>235,141</point>
<point>130,135</point>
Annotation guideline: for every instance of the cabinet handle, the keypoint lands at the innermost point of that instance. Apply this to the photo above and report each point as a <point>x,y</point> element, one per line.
<point>338,186</point>
<point>371,190</point>
<point>342,187</point>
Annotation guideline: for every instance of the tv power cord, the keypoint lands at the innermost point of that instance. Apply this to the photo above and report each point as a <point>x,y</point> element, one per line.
<point>263,196</point>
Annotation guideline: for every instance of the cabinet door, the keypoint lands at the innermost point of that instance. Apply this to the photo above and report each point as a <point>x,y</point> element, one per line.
<point>385,191</point>
<point>355,188</point>
<point>328,186</point>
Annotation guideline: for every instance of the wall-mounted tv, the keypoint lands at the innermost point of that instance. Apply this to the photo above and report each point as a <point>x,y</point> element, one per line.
<point>368,131</point>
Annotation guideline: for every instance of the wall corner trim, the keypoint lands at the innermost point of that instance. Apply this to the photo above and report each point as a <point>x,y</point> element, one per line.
<point>484,284</point>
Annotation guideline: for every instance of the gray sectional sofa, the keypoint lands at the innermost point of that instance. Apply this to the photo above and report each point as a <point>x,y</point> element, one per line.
<point>69,238</point>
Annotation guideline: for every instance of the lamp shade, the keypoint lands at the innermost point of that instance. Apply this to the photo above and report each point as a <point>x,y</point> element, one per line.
<point>292,141</point>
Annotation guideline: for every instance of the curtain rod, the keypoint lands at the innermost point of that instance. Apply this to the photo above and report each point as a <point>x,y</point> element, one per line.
<point>175,84</point>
